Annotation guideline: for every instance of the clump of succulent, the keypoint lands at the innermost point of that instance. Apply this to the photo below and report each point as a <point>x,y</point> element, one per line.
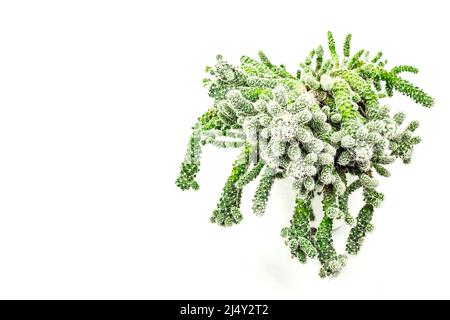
<point>326,128</point>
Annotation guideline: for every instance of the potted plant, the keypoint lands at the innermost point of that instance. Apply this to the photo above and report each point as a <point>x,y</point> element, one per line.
<point>326,128</point>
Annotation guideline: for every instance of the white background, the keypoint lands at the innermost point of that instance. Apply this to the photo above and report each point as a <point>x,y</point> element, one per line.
<point>96,103</point>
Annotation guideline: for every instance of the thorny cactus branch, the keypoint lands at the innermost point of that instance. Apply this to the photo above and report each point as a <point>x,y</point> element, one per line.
<point>319,128</point>
<point>298,236</point>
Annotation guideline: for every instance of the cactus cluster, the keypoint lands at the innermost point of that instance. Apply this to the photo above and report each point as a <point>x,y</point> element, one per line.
<point>325,128</point>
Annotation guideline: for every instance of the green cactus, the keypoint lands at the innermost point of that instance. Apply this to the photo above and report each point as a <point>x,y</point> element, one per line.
<point>319,127</point>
